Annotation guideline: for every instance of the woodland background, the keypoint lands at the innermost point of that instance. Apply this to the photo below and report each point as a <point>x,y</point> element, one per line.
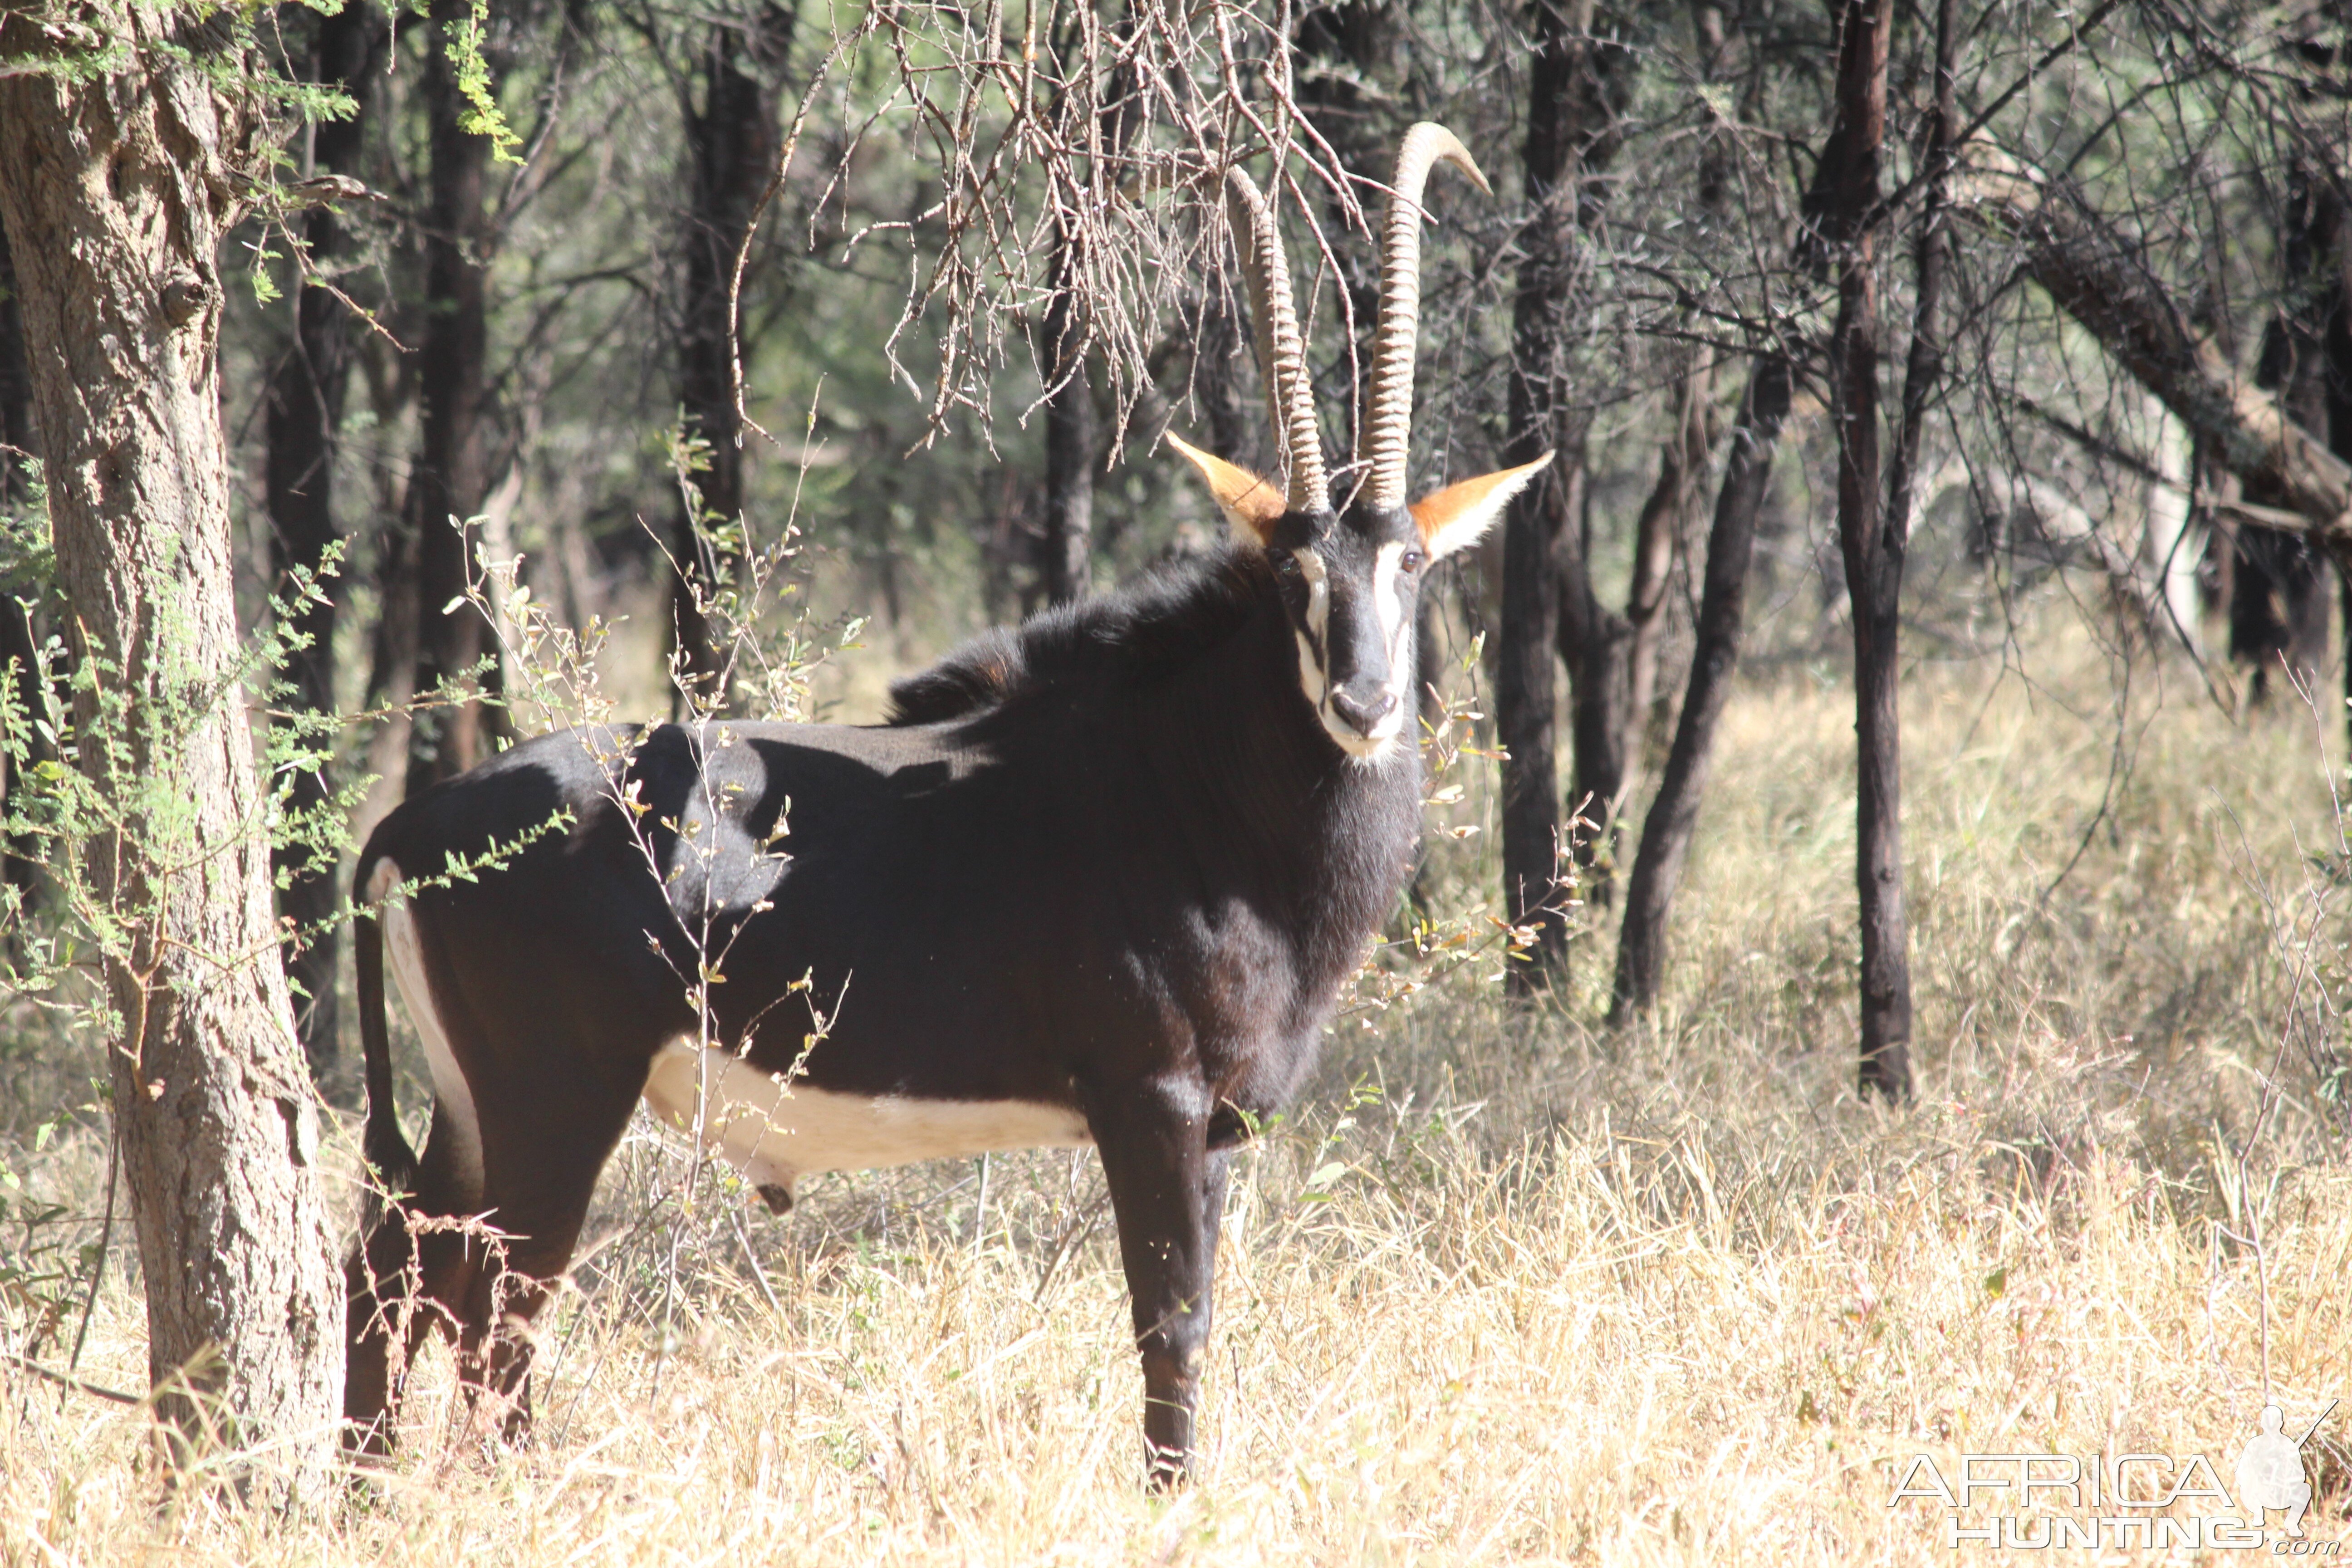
<point>1982,366</point>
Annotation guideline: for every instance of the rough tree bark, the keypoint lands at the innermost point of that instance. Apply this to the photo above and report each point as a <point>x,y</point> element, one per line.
<point>16,382</point>
<point>2278,598</point>
<point>1596,647</point>
<point>305,415</point>
<point>1069,434</point>
<point>1221,384</point>
<point>1072,447</point>
<point>117,191</point>
<point>1657,534</point>
<point>730,153</point>
<point>1873,537</point>
<point>452,476</point>
<point>1672,819</point>
<point>1542,553</point>
<point>2278,607</point>
<point>18,642</point>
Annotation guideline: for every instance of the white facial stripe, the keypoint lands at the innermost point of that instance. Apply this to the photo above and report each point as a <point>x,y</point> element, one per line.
<point>1310,675</point>
<point>1391,594</point>
<point>1315,642</point>
<point>774,1137</point>
<point>1388,595</point>
<point>453,1095</point>
<point>1318,592</point>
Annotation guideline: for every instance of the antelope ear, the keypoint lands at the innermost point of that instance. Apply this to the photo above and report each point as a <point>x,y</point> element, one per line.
<point>1455,516</point>
<point>1250,504</point>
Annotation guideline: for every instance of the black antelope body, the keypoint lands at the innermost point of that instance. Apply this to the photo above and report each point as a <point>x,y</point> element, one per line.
<point>1097,881</point>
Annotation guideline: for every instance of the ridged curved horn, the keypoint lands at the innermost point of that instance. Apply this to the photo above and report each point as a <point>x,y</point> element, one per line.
<point>1281,353</point>
<point>1388,422</point>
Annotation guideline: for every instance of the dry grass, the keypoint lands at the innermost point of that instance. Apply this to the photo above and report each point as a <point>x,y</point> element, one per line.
<point>1667,1297</point>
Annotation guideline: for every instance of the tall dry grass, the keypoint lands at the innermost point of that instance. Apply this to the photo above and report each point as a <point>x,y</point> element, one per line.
<point>1508,1288</point>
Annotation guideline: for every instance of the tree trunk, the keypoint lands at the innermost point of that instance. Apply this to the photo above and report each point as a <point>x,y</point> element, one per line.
<point>2278,609</point>
<point>452,477</point>
<point>15,385</point>
<point>306,415</point>
<point>1873,538</point>
<point>2169,542</point>
<point>1596,647</point>
<point>19,644</point>
<point>2335,350</point>
<point>731,152</point>
<point>1537,542</point>
<point>117,192</point>
<point>1524,705</point>
<point>1723,595</point>
<point>1682,460</point>
<point>1069,435</point>
<point>1232,419</point>
<point>2278,603</point>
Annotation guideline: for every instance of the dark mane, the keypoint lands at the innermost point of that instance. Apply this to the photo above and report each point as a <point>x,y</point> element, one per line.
<point>1147,628</point>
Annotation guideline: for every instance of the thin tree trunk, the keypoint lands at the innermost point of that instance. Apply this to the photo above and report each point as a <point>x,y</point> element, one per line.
<point>2167,543</point>
<point>1072,451</point>
<point>1231,417</point>
<point>1429,701</point>
<point>306,415</point>
<point>1069,435</point>
<point>2335,350</point>
<point>2278,608</point>
<point>19,644</point>
<point>1596,647</point>
<point>15,385</point>
<point>2278,604</point>
<point>117,194</point>
<point>1682,457</point>
<point>1923,365</point>
<point>1873,540</point>
<point>1673,815</point>
<point>389,379</point>
<point>452,476</point>
<point>1536,529</point>
<point>730,153</point>
<point>1524,704</point>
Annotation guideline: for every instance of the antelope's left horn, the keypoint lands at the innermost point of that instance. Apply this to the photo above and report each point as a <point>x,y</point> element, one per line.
<point>1388,422</point>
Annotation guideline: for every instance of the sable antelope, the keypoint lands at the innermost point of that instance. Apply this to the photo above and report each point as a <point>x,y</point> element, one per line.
<point>1098,880</point>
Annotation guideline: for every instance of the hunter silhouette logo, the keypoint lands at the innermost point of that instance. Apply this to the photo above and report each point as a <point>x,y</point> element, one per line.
<point>2269,1472</point>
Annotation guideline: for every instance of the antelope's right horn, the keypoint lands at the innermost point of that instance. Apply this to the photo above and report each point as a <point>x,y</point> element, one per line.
<point>1386,430</point>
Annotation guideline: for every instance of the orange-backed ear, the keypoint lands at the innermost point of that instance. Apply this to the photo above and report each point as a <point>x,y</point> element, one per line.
<point>1250,504</point>
<point>1455,516</point>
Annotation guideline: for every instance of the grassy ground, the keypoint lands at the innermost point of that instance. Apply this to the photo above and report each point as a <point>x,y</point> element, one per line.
<point>1510,1287</point>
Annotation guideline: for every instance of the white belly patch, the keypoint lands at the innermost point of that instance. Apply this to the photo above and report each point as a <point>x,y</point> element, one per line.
<point>453,1095</point>
<point>774,1134</point>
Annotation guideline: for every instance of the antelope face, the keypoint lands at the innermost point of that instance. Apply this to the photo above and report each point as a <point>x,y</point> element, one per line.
<point>1350,586</point>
